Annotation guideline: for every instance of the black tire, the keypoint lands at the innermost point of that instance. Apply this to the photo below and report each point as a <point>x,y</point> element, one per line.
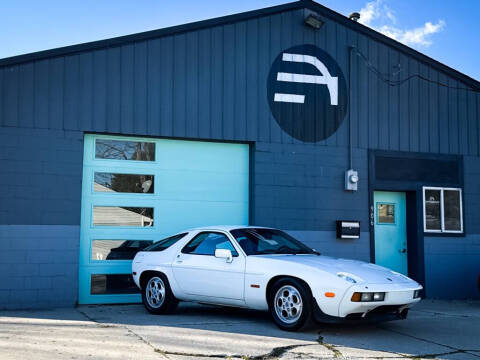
<point>294,288</point>
<point>161,303</point>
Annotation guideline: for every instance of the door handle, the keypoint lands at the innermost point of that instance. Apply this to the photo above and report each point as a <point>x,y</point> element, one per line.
<point>403,251</point>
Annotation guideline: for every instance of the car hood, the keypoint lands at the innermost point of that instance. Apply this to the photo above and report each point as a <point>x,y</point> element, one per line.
<point>359,270</point>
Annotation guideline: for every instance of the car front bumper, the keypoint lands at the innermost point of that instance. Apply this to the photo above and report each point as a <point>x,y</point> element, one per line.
<point>398,299</point>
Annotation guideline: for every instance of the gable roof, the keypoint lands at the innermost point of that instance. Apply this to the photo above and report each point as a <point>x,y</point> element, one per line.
<point>307,4</point>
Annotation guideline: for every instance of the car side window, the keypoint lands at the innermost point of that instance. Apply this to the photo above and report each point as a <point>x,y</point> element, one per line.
<point>206,243</point>
<point>164,243</point>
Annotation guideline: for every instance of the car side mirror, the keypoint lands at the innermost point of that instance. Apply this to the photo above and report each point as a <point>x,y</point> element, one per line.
<point>224,254</point>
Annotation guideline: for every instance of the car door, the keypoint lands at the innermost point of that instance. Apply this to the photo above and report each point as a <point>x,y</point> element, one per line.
<point>198,272</point>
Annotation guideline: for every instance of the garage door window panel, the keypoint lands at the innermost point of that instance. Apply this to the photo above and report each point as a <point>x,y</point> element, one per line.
<point>122,216</point>
<point>117,249</point>
<point>112,284</point>
<point>123,183</point>
<point>124,150</point>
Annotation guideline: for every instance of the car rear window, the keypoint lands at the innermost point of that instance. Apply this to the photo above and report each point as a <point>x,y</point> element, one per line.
<point>164,243</point>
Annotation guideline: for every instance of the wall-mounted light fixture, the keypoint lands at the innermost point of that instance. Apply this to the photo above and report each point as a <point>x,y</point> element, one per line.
<point>314,21</point>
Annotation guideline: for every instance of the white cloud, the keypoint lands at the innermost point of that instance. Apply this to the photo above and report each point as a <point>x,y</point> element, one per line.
<point>377,15</point>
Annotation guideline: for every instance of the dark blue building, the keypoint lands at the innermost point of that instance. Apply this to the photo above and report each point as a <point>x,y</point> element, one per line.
<point>293,117</point>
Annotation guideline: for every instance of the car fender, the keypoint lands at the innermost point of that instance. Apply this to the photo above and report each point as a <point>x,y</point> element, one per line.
<point>321,283</point>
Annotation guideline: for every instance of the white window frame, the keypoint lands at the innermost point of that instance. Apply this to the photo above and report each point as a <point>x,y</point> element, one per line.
<point>442,211</point>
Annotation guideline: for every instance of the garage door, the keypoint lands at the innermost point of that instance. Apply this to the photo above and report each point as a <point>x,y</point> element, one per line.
<point>139,190</point>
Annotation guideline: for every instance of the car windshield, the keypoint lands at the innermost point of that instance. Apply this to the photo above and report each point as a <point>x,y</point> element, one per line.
<point>258,241</point>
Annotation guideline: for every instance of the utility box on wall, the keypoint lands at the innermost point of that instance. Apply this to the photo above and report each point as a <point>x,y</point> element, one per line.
<point>347,229</point>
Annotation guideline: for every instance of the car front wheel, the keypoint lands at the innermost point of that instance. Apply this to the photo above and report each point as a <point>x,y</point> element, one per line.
<point>157,295</point>
<point>290,304</point>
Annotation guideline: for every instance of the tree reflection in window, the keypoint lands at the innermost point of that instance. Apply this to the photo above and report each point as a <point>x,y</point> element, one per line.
<point>124,150</point>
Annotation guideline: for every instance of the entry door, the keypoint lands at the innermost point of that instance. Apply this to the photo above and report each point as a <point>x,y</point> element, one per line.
<point>391,230</point>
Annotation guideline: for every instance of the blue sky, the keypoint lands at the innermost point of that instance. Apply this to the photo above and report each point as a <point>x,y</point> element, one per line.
<point>448,31</point>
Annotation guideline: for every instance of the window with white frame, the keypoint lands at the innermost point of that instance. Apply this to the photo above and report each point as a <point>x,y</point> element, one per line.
<point>442,210</point>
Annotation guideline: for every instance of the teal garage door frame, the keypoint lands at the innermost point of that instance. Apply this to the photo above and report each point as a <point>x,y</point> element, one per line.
<point>195,183</point>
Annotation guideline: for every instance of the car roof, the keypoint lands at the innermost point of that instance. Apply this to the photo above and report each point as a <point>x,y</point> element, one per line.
<point>227,227</point>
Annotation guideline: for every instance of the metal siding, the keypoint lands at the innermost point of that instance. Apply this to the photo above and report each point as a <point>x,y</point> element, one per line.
<point>166,89</point>
<point>99,91</point>
<point>472,123</point>
<point>274,49</point>
<point>153,86</point>
<point>382,96</point>
<point>373,97</point>
<point>433,113</point>
<point>71,103</point>
<point>354,83</point>
<point>113,106</point>
<point>423,139</point>
<point>229,60</point>
<point>192,93</point>
<point>252,84</point>
<point>216,100</point>
<point>298,36</point>
<point>363,84</point>
<point>211,83</point>
<point>403,109</point>
<point>341,55</point>
<point>140,94</point>
<point>127,90</point>
<point>10,97</point>
<point>393,96</point>
<point>443,115</point>
<point>463,122</point>
<point>265,119</point>
<point>453,117</point>
<point>26,95</point>
<point>413,104</point>
<point>179,85</point>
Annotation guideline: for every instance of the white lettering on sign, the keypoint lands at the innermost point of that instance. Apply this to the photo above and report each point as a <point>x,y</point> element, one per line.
<point>324,79</point>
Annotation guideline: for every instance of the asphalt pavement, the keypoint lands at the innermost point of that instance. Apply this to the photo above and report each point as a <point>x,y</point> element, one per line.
<point>434,329</point>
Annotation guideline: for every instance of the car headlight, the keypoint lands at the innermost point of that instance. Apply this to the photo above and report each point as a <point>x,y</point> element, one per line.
<point>368,296</point>
<point>416,294</point>
<point>347,278</point>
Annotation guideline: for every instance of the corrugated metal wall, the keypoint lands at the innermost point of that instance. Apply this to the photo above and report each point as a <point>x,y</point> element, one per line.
<point>211,83</point>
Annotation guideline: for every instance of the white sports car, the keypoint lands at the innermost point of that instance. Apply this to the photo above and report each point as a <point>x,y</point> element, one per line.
<point>267,269</point>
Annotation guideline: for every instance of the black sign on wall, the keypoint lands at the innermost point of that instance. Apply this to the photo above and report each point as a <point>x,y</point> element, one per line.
<point>307,93</point>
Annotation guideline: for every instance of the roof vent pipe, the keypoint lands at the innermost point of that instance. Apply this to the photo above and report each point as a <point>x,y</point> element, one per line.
<point>355,16</point>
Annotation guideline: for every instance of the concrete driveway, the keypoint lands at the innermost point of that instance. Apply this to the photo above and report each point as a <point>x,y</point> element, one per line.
<point>434,329</point>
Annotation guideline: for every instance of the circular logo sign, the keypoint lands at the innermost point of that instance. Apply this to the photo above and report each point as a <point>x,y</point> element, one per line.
<point>307,93</point>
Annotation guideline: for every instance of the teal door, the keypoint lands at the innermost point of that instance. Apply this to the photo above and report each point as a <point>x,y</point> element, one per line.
<point>139,190</point>
<point>391,230</point>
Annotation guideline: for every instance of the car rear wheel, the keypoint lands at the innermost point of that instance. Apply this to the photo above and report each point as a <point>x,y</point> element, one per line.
<point>157,295</point>
<point>290,304</point>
